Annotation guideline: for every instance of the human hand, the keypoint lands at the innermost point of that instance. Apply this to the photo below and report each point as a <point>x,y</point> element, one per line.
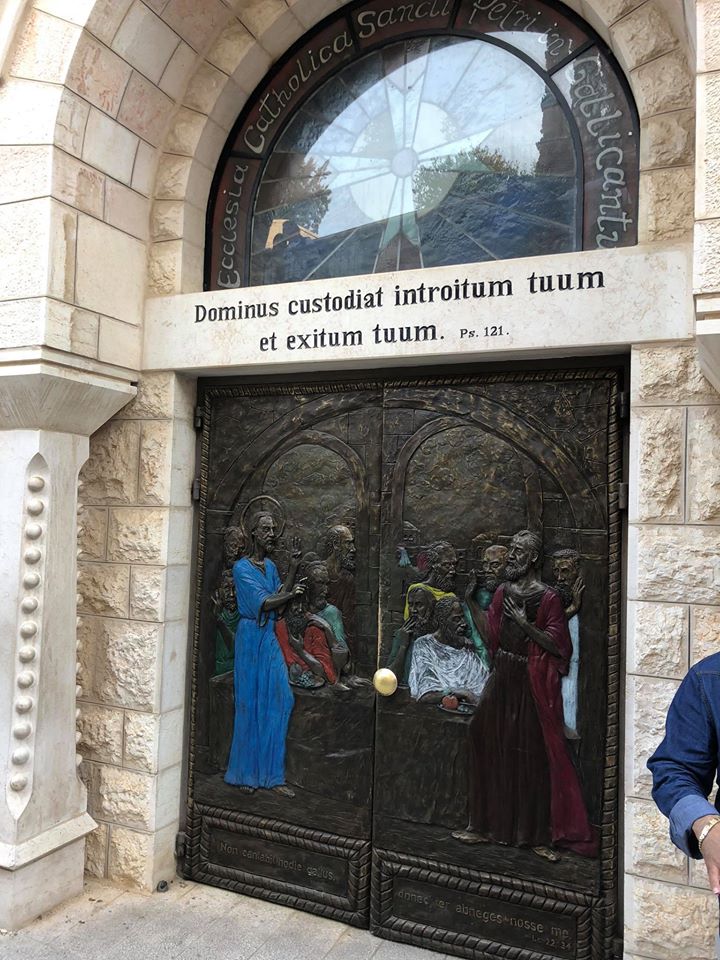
<point>216,604</point>
<point>295,551</point>
<point>514,610</point>
<point>296,643</point>
<point>467,696</point>
<point>578,588</point>
<point>710,852</point>
<point>300,588</point>
<point>404,637</point>
<point>472,584</point>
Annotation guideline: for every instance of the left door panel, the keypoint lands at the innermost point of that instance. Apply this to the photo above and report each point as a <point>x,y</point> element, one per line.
<point>309,456</point>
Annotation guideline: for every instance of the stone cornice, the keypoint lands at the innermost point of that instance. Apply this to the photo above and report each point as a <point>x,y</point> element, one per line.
<point>45,389</point>
<point>707,332</point>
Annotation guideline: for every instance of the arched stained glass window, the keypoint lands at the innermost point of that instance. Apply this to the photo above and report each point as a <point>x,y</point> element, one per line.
<point>389,142</point>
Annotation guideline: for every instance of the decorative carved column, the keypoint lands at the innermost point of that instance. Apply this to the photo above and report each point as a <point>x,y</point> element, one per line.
<point>47,412</point>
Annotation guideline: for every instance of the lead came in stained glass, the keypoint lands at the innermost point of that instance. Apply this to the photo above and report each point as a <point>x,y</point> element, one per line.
<point>427,133</point>
<point>429,151</point>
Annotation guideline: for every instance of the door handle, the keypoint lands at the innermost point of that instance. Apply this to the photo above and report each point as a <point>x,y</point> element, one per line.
<point>385,682</point>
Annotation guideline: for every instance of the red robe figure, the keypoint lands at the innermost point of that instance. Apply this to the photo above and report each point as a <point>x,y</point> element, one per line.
<point>307,655</point>
<point>524,787</point>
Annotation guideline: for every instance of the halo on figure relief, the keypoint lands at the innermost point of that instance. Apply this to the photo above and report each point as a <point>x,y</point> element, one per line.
<point>263,504</point>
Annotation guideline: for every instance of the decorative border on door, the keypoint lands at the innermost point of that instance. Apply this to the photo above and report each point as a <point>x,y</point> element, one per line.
<point>351,909</point>
<point>602,945</point>
<point>583,911</point>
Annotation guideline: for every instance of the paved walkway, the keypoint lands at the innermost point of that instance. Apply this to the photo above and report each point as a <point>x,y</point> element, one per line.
<point>191,922</point>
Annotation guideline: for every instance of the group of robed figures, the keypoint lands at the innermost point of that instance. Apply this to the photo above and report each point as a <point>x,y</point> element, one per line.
<point>508,653</point>
<point>275,634</point>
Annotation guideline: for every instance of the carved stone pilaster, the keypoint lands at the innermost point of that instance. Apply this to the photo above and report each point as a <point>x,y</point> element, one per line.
<point>47,411</point>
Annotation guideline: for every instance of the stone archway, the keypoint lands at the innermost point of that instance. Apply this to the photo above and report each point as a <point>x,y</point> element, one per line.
<point>136,101</point>
<point>114,113</point>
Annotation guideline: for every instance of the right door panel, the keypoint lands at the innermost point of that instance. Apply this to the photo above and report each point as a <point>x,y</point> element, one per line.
<point>494,816</point>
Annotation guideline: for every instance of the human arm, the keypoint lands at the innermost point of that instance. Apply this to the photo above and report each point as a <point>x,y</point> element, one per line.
<point>711,847</point>
<point>339,652</point>
<point>437,696</point>
<point>295,557</point>
<point>683,768</point>
<point>275,600</point>
<point>260,593</point>
<point>287,591</point>
<point>400,648</point>
<point>516,612</point>
<point>478,615</point>
<point>316,668</point>
<point>217,609</point>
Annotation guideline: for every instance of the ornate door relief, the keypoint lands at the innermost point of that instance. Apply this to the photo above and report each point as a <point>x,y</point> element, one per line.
<point>464,533</point>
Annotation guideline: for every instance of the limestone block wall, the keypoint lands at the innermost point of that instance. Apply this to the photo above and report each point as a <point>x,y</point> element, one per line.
<point>105,107</point>
<point>77,173</point>
<point>133,594</point>
<point>150,92</point>
<point>113,114</point>
<point>707,195</point>
<point>673,620</point>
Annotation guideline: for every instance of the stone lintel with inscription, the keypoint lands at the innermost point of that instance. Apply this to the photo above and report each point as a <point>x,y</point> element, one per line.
<point>587,302</point>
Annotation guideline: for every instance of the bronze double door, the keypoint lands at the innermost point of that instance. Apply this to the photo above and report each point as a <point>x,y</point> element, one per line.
<point>388,484</point>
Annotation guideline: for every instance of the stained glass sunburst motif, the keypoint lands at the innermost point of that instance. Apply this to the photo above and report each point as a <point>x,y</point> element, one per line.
<point>427,152</point>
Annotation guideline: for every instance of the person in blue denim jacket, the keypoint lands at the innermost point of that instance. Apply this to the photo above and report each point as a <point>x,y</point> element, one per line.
<point>685,767</point>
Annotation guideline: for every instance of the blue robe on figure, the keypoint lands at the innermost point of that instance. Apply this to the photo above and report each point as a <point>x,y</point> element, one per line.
<point>263,698</point>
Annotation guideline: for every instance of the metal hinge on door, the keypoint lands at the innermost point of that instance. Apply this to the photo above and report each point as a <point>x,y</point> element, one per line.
<point>180,854</point>
<point>199,418</point>
<point>180,847</point>
<point>623,405</point>
<point>195,491</point>
<point>623,496</point>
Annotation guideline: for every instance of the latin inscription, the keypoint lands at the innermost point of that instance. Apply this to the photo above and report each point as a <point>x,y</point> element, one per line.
<point>602,116</point>
<point>531,304</point>
<point>365,302</point>
<point>602,126</point>
<point>488,918</point>
<point>545,34</point>
<point>282,95</point>
<point>232,220</point>
<point>387,19</point>
<point>550,37</point>
<point>279,861</point>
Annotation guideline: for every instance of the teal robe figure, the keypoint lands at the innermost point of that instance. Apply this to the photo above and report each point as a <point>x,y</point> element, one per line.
<point>224,656</point>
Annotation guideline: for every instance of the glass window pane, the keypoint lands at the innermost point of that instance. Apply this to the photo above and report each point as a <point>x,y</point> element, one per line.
<point>428,151</point>
<point>540,31</point>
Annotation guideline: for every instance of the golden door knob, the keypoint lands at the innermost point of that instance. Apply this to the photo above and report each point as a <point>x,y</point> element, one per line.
<point>385,682</point>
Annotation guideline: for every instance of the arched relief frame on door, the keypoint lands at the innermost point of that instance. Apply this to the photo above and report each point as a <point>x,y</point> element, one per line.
<point>574,63</point>
<point>595,920</point>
